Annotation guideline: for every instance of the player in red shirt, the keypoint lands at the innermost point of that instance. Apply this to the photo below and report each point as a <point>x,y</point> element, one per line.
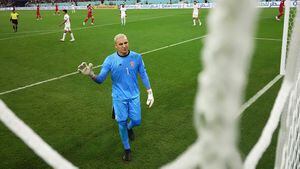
<point>38,14</point>
<point>280,9</point>
<point>89,15</point>
<point>56,10</point>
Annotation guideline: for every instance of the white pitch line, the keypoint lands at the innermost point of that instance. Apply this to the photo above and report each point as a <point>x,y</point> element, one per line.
<point>38,83</point>
<point>269,39</point>
<point>258,94</point>
<point>175,44</point>
<point>73,73</point>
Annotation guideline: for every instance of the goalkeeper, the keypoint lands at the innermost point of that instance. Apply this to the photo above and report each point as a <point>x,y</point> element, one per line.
<point>124,66</point>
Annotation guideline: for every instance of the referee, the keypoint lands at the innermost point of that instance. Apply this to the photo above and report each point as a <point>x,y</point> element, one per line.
<point>14,19</point>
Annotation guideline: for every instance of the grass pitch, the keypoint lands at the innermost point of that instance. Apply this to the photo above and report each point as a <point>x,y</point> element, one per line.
<point>73,114</point>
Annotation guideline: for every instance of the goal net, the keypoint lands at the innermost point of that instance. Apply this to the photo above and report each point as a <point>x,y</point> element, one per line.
<point>32,140</point>
<point>287,103</point>
<point>226,59</point>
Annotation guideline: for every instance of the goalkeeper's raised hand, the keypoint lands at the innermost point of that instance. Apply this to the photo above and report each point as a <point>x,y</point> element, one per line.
<point>86,69</point>
<point>150,99</point>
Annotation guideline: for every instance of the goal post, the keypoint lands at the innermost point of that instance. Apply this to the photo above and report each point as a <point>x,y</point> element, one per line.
<point>286,109</point>
<point>285,37</point>
<point>289,19</point>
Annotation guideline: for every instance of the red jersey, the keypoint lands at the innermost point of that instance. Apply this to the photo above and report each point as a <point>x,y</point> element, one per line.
<point>90,11</point>
<point>281,5</point>
<point>38,10</point>
<point>56,7</point>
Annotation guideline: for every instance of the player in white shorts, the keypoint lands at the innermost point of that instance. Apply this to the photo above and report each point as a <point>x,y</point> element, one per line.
<point>123,15</point>
<point>67,28</point>
<point>195,14</point>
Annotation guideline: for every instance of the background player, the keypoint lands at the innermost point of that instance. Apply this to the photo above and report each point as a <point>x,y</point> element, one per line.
<point>67,28</point>
<point>123,14</point>
<point>89,15</point>
<point>38,14</point>
<point>195,14</point>
<point>56,10</point>
<point>73,7</point>
<point>280,9</point>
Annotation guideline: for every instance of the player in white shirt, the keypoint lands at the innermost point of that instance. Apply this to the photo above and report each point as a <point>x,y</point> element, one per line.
<point>73,8</point>
<point>195,14</point>
<point>67,28</point>
<point>123,15</point>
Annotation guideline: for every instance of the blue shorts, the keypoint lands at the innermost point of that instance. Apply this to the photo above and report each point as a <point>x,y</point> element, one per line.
<point>125,109</point>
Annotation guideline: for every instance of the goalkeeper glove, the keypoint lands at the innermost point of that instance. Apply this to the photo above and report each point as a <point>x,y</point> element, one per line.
<point>86,69</point>
<point>150,99</point>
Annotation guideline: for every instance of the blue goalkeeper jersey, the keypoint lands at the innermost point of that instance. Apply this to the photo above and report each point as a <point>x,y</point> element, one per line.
<point>124,74</point>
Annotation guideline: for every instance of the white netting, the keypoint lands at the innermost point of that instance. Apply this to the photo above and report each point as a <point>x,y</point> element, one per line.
<point>292,15</point>
<point>32,140</point>
<point>287,104</point>
<point>226,58</point>
<point>290,150</point>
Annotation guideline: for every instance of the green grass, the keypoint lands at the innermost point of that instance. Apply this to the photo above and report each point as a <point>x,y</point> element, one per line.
<point>73,114</point>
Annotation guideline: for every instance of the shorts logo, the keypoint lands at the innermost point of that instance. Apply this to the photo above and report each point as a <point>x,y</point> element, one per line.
<point>132,64</point>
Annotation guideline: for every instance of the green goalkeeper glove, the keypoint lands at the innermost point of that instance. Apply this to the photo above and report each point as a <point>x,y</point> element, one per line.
<point>86,69</point>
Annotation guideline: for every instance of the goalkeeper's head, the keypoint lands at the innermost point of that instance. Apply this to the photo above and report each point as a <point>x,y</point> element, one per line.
<point>121,44</point>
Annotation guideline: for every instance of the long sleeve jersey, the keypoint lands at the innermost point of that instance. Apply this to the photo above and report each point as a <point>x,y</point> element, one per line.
<point>124,75</point>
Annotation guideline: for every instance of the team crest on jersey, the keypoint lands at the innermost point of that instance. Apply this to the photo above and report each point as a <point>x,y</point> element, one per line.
<point>132,64</point>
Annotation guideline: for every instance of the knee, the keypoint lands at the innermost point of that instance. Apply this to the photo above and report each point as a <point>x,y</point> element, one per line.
<point>122,124</point>
<point>136,122</point>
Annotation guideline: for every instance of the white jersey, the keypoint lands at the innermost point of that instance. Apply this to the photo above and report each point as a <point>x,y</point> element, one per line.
<point>67,22</point>
<point>195,11</point>
<point>123,12</point>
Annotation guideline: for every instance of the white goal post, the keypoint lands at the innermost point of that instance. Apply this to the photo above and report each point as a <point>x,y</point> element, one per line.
<point>289,15</point>
<point>287,105</point>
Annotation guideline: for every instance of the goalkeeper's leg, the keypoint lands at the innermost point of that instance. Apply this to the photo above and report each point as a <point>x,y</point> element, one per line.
<point>121,115</point>
<point>134,116</point>
<point>124,134</point>
<point>124,137</point>
<point>134,113</point>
